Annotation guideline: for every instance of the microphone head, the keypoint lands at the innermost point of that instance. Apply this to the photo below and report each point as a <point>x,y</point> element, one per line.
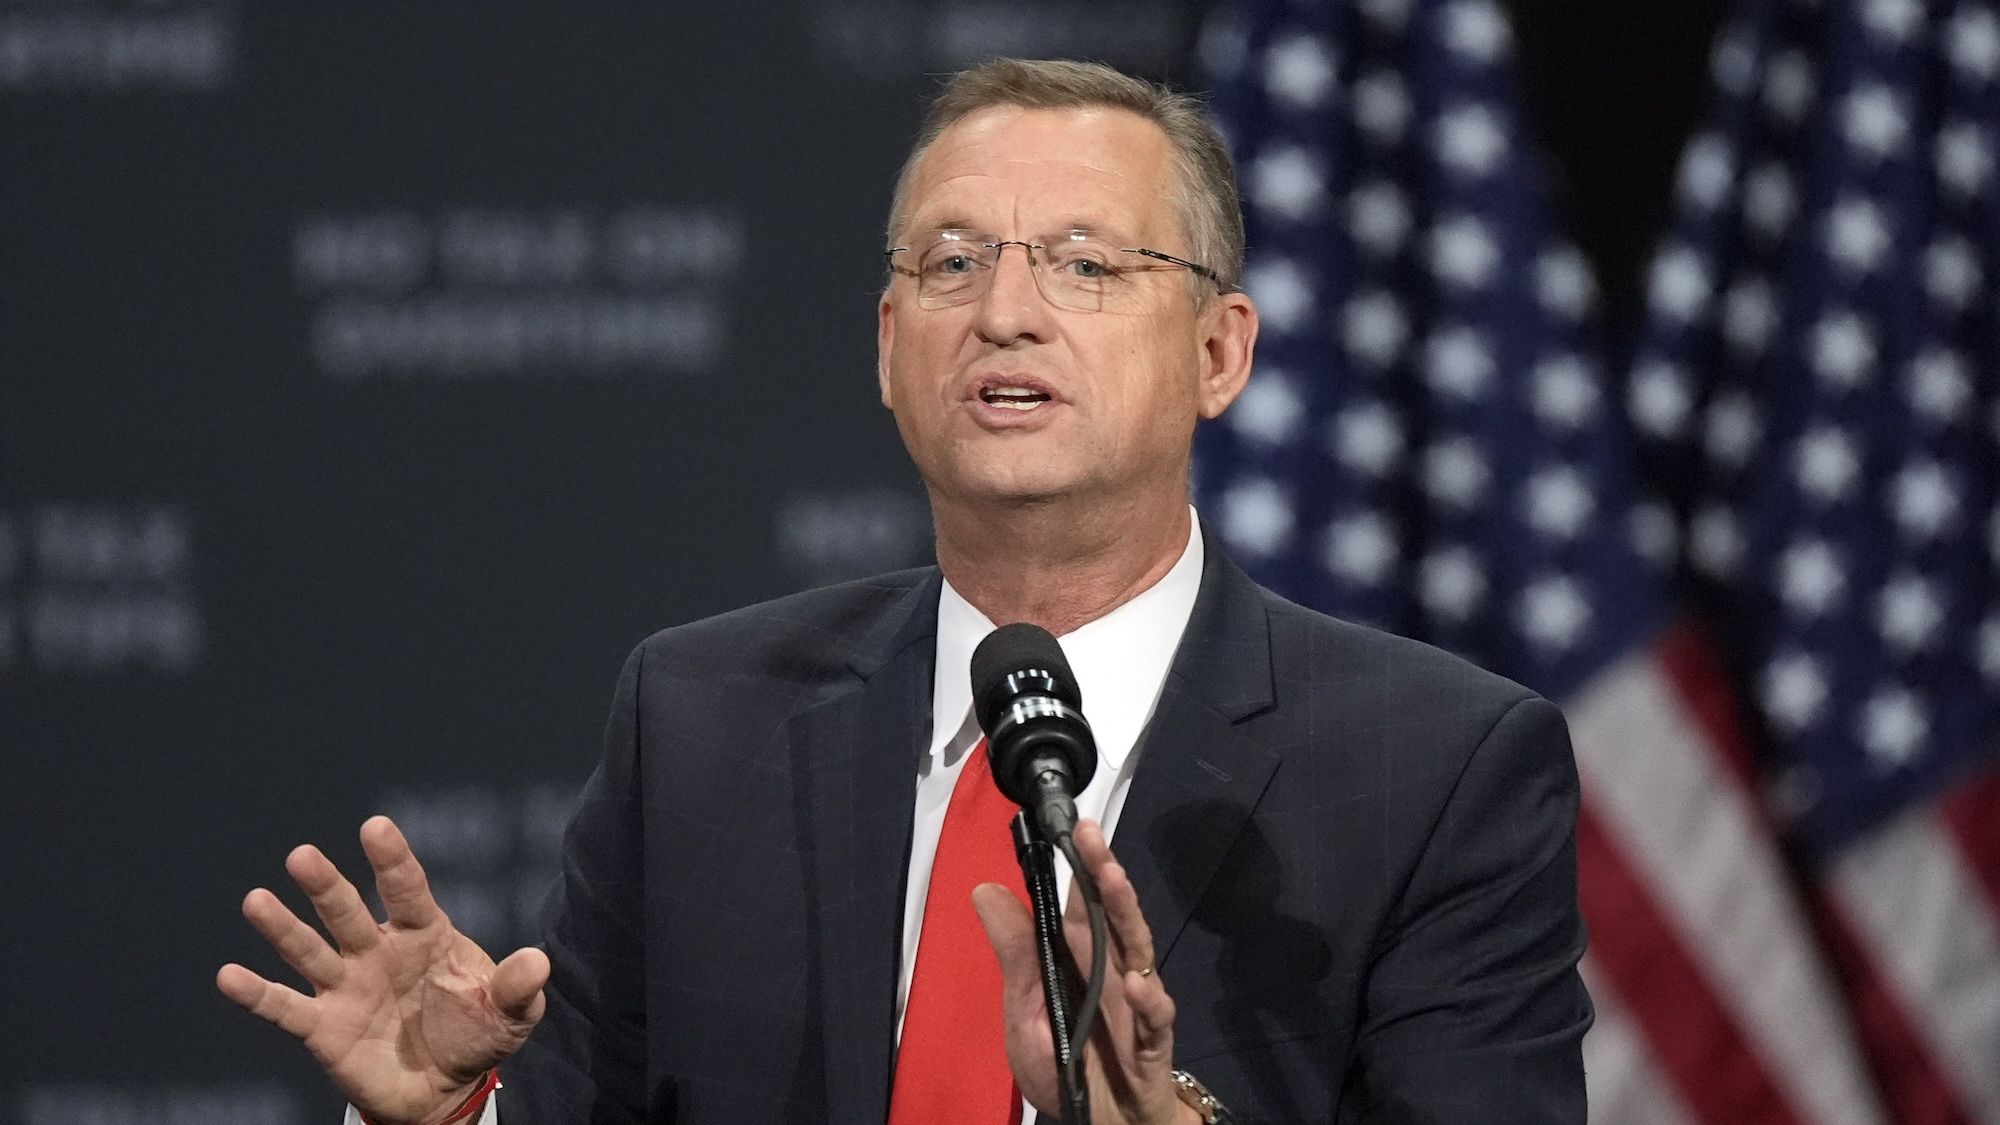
<point>1014,660</point>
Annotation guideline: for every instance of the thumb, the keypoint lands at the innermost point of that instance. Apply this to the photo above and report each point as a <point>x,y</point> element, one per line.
<point>1011,931</point>
<point>517,985</point>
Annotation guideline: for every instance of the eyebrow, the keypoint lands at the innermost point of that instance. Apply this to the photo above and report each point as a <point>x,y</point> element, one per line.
<point>950,226</point>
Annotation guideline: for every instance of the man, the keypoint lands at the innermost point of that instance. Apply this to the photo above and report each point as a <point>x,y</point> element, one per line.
<point>1346,884</point>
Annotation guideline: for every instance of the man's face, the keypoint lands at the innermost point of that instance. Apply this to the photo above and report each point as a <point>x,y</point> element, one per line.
<point>1112,395</point>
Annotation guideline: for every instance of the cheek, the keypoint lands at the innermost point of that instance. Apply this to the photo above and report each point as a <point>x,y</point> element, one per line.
<point>1158,397</point>
<point>923,362</point>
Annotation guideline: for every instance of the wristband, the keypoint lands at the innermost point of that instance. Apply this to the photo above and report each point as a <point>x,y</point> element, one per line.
<point>467,1109</point>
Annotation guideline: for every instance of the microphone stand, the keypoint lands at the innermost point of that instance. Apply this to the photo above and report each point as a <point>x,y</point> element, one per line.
<point>1060,983</point>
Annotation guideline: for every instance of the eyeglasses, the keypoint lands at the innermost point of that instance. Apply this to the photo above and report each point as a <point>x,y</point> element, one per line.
<point>1073,271</point>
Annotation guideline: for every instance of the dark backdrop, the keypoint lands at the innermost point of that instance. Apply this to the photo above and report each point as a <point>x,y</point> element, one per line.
<point>373,378</point>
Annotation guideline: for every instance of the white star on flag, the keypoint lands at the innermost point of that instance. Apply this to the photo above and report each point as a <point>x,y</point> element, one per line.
<point>1564,392</point>
<point>1459,362</point>
<point>1951,272</point>
<point>1382,106</point>
<point>1463,252</point>
<point>1559,502</point>
<point>1285,181</point>
<point>1707,172</point>
<point>1794,691</point>
<point>1283,293</point>
<point>1554,613</point>
<point>1476,29</point>
<point>1875,121</point>
<point>1732,432</point>
<point>1895,20</point>
<point>1989,648</point>
<point>1843,350</point>
<point>1811,578</point>
<point>1940,390</point>
<point>1856,236</point>
<point>1257,517</point>
<point>1769,201</point>
<point>1908,614</point>
<point>1268,411</point>
<point>1893,727</point>
<point>1361,548</point>
<point>1788,87</point>
<point>1375,328</point>
<point>1455,473</point>
<point>1680,284</point>
<point>1470,139</point>
<point>1964,158</point>
<point>1715,541</point>
<point>1451,583</point>
<point>1749,313</point>
<point>1973,42</point>
<point>1563,283</point>
<point>1379,218</point>
<point>1923,498</point>
<point>1299,72</point>
<point>1367,437</point>
<point>1660,399</point>
<point>1827,464</point>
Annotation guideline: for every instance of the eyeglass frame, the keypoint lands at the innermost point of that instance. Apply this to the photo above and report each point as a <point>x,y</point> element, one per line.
<point>1196,268</point>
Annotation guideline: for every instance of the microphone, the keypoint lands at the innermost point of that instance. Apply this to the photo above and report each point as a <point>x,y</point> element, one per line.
<point>1040,748</point>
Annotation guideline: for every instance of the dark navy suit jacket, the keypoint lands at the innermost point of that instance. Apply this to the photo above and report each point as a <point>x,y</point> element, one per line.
<point>1356,854</point>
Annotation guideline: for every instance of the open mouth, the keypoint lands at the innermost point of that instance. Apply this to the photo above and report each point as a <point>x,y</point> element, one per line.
<point>1013,398</point>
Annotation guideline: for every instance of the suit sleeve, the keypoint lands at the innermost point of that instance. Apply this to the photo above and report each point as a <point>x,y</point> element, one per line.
<point>1474,1007</point>
<point>585,1062</point>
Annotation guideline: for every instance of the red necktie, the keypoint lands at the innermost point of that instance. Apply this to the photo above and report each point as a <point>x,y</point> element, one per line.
<point>952,1066</point>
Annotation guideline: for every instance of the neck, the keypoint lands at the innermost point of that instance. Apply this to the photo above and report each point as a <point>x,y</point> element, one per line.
<point>1059,564</point>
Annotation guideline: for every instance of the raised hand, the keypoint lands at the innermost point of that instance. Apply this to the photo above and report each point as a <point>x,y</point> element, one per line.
<point>406,1015</point>
<point>1130,1056</point>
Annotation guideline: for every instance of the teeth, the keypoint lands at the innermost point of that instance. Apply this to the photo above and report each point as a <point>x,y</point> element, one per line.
<point>1016,398</point>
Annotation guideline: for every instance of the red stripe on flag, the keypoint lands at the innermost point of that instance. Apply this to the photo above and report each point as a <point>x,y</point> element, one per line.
<point>1717,1069</point>
<point>1689,663</point>
<point>1914,1091</point>
<point>1971,813</point>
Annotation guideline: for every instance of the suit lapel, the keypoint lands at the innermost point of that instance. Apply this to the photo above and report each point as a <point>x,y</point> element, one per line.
<point>854,758</point>
<point>854,761</point>
<point>1200,773</point>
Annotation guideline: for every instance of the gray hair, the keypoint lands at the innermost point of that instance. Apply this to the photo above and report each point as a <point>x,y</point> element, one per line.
<point>1211,215</point>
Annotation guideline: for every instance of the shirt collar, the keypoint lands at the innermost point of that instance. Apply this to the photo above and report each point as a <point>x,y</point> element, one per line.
<point>1120,659</point>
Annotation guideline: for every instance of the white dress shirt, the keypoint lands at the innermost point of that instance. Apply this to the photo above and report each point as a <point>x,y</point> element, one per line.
<point>1120,661</point>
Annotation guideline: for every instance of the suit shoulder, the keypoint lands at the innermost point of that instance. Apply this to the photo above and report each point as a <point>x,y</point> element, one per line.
<point>1408,672</point>
<point>810,634</point>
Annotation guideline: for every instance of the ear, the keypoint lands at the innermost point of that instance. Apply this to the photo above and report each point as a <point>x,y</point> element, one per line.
<point>1228,338</point>
<point>885,342</point>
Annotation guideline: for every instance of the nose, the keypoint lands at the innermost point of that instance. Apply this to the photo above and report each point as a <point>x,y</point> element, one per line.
<point>1013,309</point>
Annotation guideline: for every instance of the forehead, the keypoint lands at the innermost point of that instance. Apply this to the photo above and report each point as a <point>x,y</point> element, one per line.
<point>1009,170</point>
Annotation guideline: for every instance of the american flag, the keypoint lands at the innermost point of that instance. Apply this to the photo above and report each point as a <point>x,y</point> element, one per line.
<point>1760,569</point>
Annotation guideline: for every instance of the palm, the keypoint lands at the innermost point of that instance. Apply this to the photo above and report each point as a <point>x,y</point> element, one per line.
<point>1129,1059</point>
<point>1118,1071</point>
<point>410,1013</point>
<point>406,1014</point>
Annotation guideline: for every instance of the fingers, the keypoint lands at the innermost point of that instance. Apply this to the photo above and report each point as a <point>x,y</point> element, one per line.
<point>517,985</point>
<point>1152,1017</point>
<point>338,904</point>
<point>1131,937</point>
<point>273,1002</point>
<point>1011,931</point>
<point>399,878</point>
<point>299,944</point>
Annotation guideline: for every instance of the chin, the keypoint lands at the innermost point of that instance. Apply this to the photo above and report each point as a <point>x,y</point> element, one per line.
<point>1016,487</point>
